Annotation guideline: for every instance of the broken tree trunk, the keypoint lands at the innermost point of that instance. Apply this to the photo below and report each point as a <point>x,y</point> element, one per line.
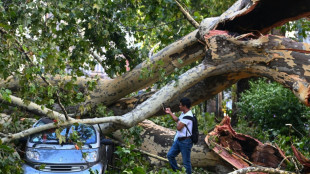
<point>274,57</point>
<point>242,151</point>
<point>248,154</point>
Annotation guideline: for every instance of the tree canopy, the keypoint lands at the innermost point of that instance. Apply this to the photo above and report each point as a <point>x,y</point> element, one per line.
<point>67,38</point>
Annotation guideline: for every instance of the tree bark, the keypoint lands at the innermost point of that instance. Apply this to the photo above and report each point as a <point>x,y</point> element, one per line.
<point>274,57</point>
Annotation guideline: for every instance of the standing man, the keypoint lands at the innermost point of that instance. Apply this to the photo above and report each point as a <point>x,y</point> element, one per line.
<point>182,141</point>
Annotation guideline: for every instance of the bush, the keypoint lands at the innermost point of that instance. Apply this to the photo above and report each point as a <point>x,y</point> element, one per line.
<point>274,115</point>
<point>10,162</point>
<point>272,107</point>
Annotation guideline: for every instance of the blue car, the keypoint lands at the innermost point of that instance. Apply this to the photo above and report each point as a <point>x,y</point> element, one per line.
<point>44,153</point>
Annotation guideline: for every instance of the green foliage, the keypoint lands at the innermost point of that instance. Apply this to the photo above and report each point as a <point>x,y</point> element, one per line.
<point>10,162</point>
<point>93,172</point>
<point>246,127</point>
<point>301,26</point>
<point>129,160</point>
<point>5,94</point>
<point>62,33</point>
<point>61,138</point>
<point>14,123</point>
<point>273,114</point>
<point>282,140</point>
<point>102,111</point>
<point>165,121</point>
<point>58,38</point>
<point>132,133</point>
<point>272,107</point>
<point>285,142</point>
<point>206,122</point>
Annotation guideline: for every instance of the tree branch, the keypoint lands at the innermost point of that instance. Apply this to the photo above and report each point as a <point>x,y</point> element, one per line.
<point>21,49</point>
<point>187,15</point>
<point>260,169</point>
<point>97,57</point>
<point>37,108</point>
<point>30,131</point>
<point>152,50</point>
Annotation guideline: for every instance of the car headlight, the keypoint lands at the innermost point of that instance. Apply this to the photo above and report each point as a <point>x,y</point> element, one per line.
<point>91,157</point>
<point>32,155</point>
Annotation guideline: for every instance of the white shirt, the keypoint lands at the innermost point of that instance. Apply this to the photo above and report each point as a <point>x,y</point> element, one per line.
<point>188,123</point>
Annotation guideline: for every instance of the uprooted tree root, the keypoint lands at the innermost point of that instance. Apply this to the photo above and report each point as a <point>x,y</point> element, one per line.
<point>243,151</point>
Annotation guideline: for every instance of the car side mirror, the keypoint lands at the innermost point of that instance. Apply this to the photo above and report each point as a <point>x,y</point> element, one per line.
<point>105,141</point>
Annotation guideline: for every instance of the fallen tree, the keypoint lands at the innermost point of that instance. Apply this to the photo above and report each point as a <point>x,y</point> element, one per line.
<point>243,151</point>
<point>233,48</point>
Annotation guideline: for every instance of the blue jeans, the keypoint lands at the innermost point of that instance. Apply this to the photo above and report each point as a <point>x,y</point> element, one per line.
<point>184,147</point>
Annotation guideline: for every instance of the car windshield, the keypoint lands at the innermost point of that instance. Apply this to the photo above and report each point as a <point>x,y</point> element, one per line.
<point>86,134</point>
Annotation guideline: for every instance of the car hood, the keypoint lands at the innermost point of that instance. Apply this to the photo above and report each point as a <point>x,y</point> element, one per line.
<point>61,156</point>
